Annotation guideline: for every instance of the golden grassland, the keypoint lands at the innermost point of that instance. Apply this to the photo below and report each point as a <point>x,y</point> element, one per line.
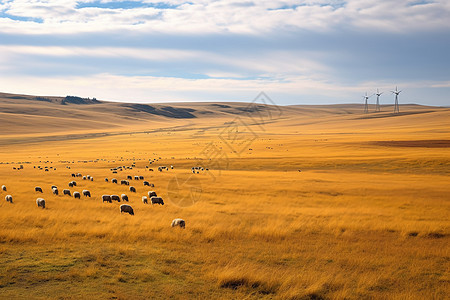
<point>361,220</point>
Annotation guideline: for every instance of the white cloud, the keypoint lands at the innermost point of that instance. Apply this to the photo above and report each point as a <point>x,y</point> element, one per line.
<point>201,16</point>
<point>161,89</point>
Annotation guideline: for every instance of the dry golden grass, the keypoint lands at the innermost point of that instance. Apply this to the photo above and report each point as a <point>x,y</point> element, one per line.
<point>362,220</point>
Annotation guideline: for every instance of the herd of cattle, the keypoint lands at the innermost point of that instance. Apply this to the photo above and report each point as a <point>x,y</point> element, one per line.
<point>124,208</point>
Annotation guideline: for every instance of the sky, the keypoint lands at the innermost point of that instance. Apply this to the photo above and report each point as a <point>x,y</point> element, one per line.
<point>297,52</point>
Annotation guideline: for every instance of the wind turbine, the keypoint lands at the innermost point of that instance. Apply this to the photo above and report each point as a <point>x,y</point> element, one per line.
<point>396,107</point>
<point>366,105</point>
<point>377,108</point>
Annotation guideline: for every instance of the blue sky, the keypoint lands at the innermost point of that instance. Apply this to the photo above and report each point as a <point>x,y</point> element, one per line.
<point>298,52</point>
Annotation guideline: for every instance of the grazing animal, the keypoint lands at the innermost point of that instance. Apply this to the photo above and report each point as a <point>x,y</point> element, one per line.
<point>157,200</point>
<point>4,187</point>
<point>88,177</point>
<point>152,194</point>
<point>144,200</point>
<point>86,193</point>
<point>40,202</point>
<point>106,179</point>
<point>74,183</point>
<point>114,180</point>
<point>84,177</point>
<point>106,198</point>
<point>124,197</point>
<point>136,177</point>
<point>76,195</point>
<point>66,192</point>
<point>124,182</point>
<point>73,175</point>
<point>132,189</point>
<point>38,189</point>
<point>129,177</point>
<point>92,179</point>
<point>8,198</point>
<point>55,191</point>
<point>126,209</point>
<point>115,198</point>
<point>179,222</point>
<point>54,187</point>
<point>141,177</point>
<point>146,183</point>
<point>70,184</point>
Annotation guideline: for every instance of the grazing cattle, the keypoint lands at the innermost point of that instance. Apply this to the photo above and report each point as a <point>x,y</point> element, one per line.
<point>92,179</point>
<point>152,194</point>
<point>55,191</point>
<point>115,198</point>
<point>4,188</point>
<point>77,195</point>
<point>114,180</point>
<point>88,177</point>
<point>70,184</point>
<point>114,172</point>
<point>38,189</point>
<point>124,197</point>
<point>157,200</point>
<point>66,192</point>
<point>78,175</point>
<point>124,182</point>
<point>74,183</point>
<point>132,189</point>
<point>179,222</point>
<point>146,183</point>
<point>8,198</point>
<point>86,193</point>
<point>106,198</point>
<point>40,202</point>
<point>54,187</point>
<point>144,200</point>
<point>126,209</point>
<point>73,175</point>
<point>106,179</point>
<point>141,177</point>
<point>129,177</point>
<point>171,167</point>
<point>136,177</point>
<point>84,177</point>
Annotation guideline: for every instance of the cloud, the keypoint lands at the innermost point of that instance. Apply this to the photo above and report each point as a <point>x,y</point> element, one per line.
<point>148,89</point>
<point>201,16</point>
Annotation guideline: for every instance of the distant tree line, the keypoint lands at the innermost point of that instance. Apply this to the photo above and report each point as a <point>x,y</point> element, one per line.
<point>38,98</point>
<point>79,100</point>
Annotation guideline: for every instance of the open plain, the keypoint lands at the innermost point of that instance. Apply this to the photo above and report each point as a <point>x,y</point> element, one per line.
<point>298,202</point>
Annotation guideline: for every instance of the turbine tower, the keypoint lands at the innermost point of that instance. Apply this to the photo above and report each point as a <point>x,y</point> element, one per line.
<point>377,108</point>
<point>366,105</point>
<point>396,107</point>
